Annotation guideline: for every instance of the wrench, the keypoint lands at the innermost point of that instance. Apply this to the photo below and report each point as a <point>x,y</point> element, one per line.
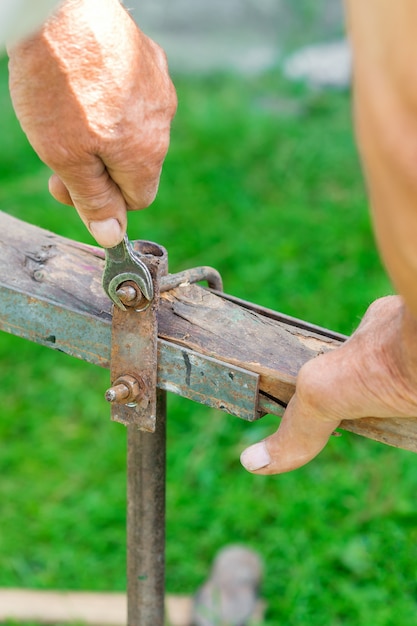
<point>123,264</point>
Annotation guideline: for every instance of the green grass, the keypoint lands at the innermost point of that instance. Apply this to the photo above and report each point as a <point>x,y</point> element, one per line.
<point>262,181</point>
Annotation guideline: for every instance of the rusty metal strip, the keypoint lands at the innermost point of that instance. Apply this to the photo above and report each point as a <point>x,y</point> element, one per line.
<point>134,347</point>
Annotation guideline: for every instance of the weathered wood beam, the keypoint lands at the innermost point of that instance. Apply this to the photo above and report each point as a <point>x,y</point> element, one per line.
<point>211,349</point>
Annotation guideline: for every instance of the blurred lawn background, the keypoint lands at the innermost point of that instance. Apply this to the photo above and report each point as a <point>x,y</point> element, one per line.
<point>262,181</point>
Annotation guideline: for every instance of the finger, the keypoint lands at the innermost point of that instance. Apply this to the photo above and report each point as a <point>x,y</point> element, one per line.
<point>138,178</point>
<point>139,186</point>
<point>137,169</point>
<point>97,199</point>
<point>58,190</point>
<point>100,230</point>
<point>299,438</point>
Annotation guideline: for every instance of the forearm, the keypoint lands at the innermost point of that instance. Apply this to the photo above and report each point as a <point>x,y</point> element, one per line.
<point>384,41</point>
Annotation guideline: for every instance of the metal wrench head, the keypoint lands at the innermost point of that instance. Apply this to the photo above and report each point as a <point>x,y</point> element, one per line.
<point>124,264</point>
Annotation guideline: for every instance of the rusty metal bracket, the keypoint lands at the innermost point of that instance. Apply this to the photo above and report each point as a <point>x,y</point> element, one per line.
<point>193,275</point>
<point>134,349</point>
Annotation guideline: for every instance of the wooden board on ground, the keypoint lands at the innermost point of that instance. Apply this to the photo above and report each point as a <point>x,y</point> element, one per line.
<point>83,607</point>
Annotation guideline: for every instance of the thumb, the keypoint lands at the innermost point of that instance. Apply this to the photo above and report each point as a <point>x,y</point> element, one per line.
<point>299,438</point>
<point>97,199</point>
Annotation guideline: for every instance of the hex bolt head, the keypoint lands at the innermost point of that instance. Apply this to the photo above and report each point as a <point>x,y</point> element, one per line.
<point>124,390</point>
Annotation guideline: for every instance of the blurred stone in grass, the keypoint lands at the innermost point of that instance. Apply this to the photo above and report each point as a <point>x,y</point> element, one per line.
<point>230,595</point>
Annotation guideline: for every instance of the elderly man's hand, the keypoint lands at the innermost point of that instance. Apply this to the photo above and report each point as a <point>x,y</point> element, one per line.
<point>94,97</point>
<point>374,374</point>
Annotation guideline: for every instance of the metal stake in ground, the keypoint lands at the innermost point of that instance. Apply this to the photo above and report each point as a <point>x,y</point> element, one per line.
<point>146,454</point>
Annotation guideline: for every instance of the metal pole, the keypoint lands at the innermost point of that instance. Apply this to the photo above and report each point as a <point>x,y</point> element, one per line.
<point>146,461</point>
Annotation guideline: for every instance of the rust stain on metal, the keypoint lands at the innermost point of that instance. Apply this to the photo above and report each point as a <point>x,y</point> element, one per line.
<point>134,348</point>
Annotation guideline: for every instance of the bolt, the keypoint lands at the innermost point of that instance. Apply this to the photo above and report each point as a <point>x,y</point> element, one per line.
<point>125,389</point>
<point>127,294</point>
<point>117,393</point>
<point>131,295</point>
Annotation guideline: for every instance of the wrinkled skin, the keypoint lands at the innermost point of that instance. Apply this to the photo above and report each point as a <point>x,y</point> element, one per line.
<point>373,374</point>
<point>94,97</point>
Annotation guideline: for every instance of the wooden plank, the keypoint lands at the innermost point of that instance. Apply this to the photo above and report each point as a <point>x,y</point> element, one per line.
<point>51,293</point>
<point>208,324</point>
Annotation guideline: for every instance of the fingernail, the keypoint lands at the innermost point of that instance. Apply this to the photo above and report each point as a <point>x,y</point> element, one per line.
<point>107,233</point>
<point>255,457</point>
